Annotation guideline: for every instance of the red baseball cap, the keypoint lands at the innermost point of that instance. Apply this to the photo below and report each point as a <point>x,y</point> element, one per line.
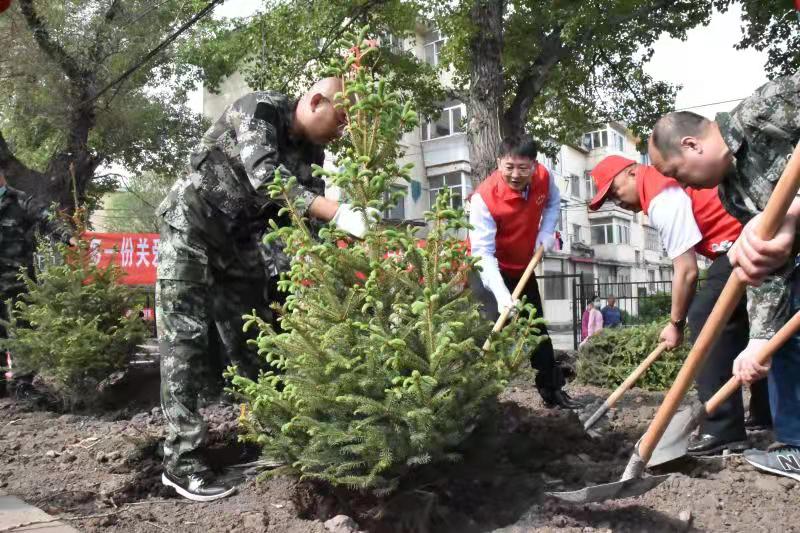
<point>603,174</point>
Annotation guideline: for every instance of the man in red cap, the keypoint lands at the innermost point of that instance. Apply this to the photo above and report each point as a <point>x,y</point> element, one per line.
<point>512,213</point>
<point>691,222</point>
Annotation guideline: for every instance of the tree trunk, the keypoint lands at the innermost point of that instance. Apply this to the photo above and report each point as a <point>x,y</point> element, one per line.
<point>55,184</point>
<point>486,87</point>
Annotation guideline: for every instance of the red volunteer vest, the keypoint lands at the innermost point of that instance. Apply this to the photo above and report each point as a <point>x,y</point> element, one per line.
<point>517,218</point>
<point>717,227</point>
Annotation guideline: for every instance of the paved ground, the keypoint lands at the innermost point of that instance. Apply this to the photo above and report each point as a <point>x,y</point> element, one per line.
<point>18,516</point>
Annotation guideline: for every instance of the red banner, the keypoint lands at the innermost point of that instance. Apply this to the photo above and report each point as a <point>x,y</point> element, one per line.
<point>135,253</point>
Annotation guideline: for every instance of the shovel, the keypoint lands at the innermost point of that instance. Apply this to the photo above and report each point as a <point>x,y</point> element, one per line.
<point>627,384</point>
<point>523,281</point>
<point>632,483</point>
<point>675,441</point>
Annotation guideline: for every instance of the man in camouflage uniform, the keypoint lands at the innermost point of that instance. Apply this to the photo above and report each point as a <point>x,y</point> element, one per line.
<point>745,152</point>
<point>211,269</point>
<point>20,219</point>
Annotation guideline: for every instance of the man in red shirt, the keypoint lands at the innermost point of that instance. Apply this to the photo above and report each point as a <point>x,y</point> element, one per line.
<point>512,213</point>
<point>691,222</point>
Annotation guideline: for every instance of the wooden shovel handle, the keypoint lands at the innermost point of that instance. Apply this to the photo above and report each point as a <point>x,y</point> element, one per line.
<point>766,353</point>
<point>771,220</point>
<point>627,384</point>
<point>501,321</point>
<point>636,374</point>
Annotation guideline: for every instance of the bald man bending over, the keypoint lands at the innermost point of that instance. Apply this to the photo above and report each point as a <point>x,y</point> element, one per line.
<point>211,270</point>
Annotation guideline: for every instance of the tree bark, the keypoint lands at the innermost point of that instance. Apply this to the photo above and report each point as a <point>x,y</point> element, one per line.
<point>486,88</point>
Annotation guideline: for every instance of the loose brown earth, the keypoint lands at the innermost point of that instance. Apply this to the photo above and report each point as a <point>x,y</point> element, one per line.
<point>76,466</point>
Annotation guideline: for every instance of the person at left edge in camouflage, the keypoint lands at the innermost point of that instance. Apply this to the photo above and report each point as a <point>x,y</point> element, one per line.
<point>211,271</point>
<point>21,217</point>
<point>744,152</point>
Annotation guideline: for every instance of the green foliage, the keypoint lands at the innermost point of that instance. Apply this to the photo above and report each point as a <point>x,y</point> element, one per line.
<point>379,367</point>
<point>610,356</point>
<point>771,26</point>
<point>75,325</point>
<point>45,91</point>
<point>654,307</point>
<point>287,46</point>
<point>133,209</point>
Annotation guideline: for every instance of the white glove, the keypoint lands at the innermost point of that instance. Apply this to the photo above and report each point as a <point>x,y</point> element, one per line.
<point>548,240</point>
<point>504,301</point>
<point>352,221</point>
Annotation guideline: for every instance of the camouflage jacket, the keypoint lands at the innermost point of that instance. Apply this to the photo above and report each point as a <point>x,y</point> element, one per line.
<point>236,161</point>
<point>20,218</point>
<point>762,132</point>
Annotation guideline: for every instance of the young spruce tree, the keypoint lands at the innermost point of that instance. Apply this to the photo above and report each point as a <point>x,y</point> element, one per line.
<point>75,324</point>
<point>379,365</point>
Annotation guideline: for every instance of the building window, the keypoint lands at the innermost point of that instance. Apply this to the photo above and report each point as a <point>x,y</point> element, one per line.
<point>448,123</point>
<point>651,278</point>
<point>398,212</point>
<point>589,187</point>
<point>595,139</point>
<point>576,233</point>
<point>394,43</point>
<point>614,232</point>
<point>617,141</point>
<point>651,240</point>
<point>555,165</point>
<point>434,41</point>
<point>575,186</point>
<point>455,181</point>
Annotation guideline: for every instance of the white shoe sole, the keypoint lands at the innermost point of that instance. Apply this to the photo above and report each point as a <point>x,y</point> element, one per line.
<point>796,477</point>
<point>194,497</point>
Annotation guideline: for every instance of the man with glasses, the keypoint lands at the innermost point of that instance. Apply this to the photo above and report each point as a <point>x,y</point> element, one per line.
<point>512,213</point>
<point>691,222</point>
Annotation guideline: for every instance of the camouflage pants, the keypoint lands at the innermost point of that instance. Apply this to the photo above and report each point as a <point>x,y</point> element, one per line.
<point>201,294</point>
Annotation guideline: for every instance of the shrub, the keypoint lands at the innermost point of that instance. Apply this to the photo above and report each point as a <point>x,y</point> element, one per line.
<point>653,307</point>
<point>610,356</point>
<point>74,326</point>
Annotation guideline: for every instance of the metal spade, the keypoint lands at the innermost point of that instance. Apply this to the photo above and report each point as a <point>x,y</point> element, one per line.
<point>675,441</point>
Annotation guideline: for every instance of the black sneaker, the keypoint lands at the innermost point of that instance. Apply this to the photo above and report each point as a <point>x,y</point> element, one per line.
<point>200,486</point>
<point>558,399</point>
<point>706,444</point>
<point>781,459</point>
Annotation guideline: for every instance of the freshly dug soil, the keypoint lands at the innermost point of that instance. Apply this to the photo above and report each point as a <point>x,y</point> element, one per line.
<point>78,466</point>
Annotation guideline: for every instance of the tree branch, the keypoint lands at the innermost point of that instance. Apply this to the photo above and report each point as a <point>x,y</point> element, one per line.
<point>49,46</point>
<point>98,46</point>
<point>152,53</point>
<point>337,33</point>
<point>553,51</point>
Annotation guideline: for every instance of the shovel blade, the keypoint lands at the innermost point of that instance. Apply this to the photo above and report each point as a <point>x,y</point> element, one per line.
<point>617,490</point>
<point>675,441</point>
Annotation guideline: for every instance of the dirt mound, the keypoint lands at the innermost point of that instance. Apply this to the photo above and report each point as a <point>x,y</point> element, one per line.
<point>109,469</point>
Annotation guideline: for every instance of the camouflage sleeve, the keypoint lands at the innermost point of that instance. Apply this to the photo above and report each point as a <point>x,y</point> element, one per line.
<point>252,120</point>
<point>768,305</point>
<point>41,218</point>
<point>772,113</point>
